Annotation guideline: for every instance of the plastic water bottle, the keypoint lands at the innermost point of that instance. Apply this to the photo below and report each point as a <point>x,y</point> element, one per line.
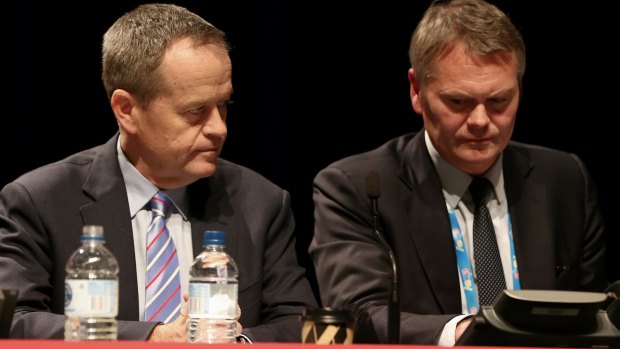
<point>213,293</point>
<point>91,289</point>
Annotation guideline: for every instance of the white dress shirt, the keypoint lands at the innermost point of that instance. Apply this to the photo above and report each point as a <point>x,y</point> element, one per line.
<point>455,185</point>
<point>139,193</point>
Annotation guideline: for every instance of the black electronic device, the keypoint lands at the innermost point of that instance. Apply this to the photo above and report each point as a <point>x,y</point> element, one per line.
<point>543,318</point>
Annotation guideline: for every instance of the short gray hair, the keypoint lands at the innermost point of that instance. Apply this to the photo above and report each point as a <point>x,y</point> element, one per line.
<point>134,45</point>
<point>481,27</point>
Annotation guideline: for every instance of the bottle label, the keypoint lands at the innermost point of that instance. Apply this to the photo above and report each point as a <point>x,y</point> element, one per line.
<point>93,298</point>
<point>212,300</point>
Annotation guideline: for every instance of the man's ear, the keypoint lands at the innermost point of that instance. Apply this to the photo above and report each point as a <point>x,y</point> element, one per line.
<point>414,92</point>
<point>124,106</point>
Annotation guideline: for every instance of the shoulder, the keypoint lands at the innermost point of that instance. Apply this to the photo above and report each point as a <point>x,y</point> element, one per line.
<point>71,170</point>
<point>543,157</point>
<point>555,168</point>
<point>387,156</point>
<point>246,191</point>
<point>348,177</point>
<point>45,187</point>
<point>240,179</point>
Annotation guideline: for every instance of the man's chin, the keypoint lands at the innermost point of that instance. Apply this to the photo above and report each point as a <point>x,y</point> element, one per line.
<point>482,166</point>
<point>207,172</point>
<point>202,170</point>
<point>477,162</point>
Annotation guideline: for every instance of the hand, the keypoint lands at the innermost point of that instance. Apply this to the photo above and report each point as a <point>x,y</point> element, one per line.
<point>175,331</point>
<point>239,327</point>
<point>461,327</point>
<point>213,260</point>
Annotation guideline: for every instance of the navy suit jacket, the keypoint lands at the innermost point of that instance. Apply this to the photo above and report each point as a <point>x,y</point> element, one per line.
<point>41,218</point>
<point>557,229</point>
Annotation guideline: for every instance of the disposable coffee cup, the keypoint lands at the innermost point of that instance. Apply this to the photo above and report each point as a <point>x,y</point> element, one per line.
<point>327,326</point>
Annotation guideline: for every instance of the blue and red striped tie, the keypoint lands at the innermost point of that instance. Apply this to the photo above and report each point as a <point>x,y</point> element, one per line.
<point>163,284</point>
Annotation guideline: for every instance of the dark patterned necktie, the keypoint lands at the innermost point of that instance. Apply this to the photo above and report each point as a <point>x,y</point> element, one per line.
<point>489,272</point>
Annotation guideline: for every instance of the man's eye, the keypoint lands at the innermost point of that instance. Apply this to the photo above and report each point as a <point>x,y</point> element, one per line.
<point>224,104</point>
<point>196,111</point>
<point>457,102</point>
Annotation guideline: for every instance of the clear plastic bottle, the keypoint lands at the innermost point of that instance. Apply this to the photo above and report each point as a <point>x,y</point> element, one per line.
<point>213,293</point>
<point>91,289</point>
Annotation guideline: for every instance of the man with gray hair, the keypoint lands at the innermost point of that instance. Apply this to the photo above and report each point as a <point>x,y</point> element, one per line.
<point>167,74</point>
<point>467,212</point>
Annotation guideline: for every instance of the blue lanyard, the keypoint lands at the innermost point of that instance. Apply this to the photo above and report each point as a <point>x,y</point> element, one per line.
<point>465,270</point>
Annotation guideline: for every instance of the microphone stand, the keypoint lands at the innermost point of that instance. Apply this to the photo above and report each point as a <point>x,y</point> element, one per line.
<point>394,301</point>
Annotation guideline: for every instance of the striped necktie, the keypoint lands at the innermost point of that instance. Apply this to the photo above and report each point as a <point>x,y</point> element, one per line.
<point>163,284</point>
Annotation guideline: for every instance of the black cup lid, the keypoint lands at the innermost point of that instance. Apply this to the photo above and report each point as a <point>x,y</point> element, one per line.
<point>328,315</point>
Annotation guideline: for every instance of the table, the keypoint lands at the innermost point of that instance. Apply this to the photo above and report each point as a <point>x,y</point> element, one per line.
<point>60,344</point>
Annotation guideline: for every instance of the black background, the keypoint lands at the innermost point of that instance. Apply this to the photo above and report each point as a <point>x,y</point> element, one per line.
<point>314,82</point>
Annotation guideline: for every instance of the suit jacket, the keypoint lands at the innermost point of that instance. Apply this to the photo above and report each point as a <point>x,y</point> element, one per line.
<point>41,218</point>
<point>557,229</point>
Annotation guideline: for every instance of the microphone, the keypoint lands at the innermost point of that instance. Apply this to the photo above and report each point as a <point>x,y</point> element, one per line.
<point>373,191</point>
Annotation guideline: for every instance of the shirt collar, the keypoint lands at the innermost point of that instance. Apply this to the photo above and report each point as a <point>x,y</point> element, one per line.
<point>455,182</point>
<point>140,190</point>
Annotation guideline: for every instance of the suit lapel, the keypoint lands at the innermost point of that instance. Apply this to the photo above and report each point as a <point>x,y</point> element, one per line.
<point>110,209</point>
<point>428,223</point>
<point>534,245</point>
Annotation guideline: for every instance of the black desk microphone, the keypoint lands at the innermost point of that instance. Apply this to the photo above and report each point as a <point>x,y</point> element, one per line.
<point>373,191</point>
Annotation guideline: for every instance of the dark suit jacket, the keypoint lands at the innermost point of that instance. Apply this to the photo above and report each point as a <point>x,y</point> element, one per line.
<point>558,233</point>
<point>41,218</point>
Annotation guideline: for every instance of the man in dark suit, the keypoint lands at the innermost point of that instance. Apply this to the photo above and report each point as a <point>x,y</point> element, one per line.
<point>467,64</point>
<point>168,76</point>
